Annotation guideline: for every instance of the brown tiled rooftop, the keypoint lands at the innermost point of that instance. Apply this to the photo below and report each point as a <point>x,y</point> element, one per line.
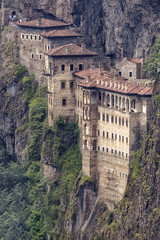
<point>106,80</point>
<point>135,60</point>
<point>69,50</point>
<point>60,33</point>
<point>43,23</point>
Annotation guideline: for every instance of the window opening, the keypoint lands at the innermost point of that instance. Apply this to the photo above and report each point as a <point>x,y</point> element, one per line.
<point>63,102</point>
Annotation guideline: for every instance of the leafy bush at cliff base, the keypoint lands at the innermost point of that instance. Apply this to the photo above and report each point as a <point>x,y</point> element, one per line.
<point>13,197</point>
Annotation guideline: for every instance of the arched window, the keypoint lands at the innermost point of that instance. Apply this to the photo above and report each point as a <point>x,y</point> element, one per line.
<point>133,104</point>
<point>85,144</point>
<point>127,105</point>
<point>93,98</point>
<point>116,102</point>
<point>112,100</point>
<point>108,100</point>
<point>104,103</point>
<point>99,99</point>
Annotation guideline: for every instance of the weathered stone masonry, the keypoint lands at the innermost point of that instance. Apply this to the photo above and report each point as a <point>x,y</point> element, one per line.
<point>112,112</point>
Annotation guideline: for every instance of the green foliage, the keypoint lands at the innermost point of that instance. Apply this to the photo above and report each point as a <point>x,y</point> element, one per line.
<point>84,179</point>
<point>136,163</point>
<point>19,70</point>
<point>67,158</point>
<point>37,186</point>
<point>152,64</point>
<point>13,197</point>
<point>110,218</point>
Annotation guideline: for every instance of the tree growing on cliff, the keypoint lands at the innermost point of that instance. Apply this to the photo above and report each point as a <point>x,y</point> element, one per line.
<point>152,64</point>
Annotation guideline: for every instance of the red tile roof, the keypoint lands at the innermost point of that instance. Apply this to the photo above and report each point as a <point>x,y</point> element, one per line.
<point>135,60</point>
<point>69,50</point>
<point>43,23</point>
<point>60,33</point>
<point>106,80</point>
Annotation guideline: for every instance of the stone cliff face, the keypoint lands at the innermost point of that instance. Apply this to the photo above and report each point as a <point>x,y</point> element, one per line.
<point>112,27</point>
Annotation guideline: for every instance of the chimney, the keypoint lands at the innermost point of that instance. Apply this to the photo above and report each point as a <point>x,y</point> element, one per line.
<point>83,48</point>
<point>88,78</point>
<point>67,50</point>
<point>39,21</point>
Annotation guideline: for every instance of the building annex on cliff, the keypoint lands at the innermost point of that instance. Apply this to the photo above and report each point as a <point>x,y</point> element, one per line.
<point>112,113</point>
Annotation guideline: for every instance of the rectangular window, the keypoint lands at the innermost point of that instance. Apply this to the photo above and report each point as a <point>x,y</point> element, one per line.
<point>71,67</point>
<point>63,84</point>
<point>80,67</point>
<point>112,119</point>
<point>122,121</point>
<point>99,116</point>
<point>126,155</point>
<point>107,118</point>
<point>115,151</point>
<point>119,137</point>
<point>126,139</point>
<point>39,38</point>
<point>116,120</point>
<point>107,135</point>
<point>40,56</point>
<point>122,138</point>
<point>120,74</point>
<point>112,151</point>
<point>48,47</point>
<point>63,102</point>
<point>22,36</point>
<point>103,133</point>
<point>103,117</point>
<point>98,132</point>
<point>32,55</point>
<point>31,37</point>
<point>62,67</point>
<point>27,36</point>
<point>112,136</point>
<point>103,149</point>
<point>122,154</point>
<point>119,121</point>
<point>107,150</point>
<point>119,153</point>
<point>126,123</point>
<point>130,74</point>
<point>35,37</point>
<point>98,148</point>
<point>71,84</point>
<point>115,136</point>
